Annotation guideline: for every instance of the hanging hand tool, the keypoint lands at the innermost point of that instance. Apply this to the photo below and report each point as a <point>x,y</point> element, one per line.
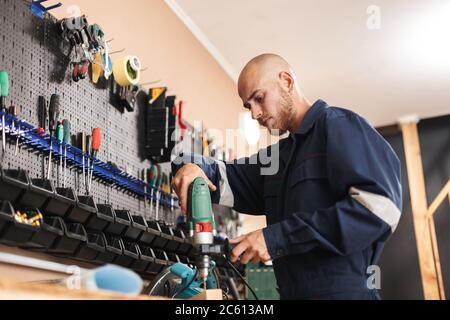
<point>15,112</point>
<point>43,113</point>
<point>158,191</point>
<point>43,120</point>
<point>96,144</point>
<point>4,92</point>
<point>66,139</point>
<point>60,137</point>
<point>152,179</point>
<point>165,188</point>
<point>88,154</point>
<point>53,115</point>
<point>82,146</point>
<point>144,178</point>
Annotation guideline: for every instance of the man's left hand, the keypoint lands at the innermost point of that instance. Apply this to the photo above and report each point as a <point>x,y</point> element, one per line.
<point>251,247</point>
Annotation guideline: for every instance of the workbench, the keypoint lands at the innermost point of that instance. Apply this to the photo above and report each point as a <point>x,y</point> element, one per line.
<point>24,283</point>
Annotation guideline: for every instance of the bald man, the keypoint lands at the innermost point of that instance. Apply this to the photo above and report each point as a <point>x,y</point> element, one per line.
<point>332,204</point>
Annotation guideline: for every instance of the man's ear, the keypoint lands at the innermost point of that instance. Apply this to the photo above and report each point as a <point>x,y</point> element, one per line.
<point>287,81</point>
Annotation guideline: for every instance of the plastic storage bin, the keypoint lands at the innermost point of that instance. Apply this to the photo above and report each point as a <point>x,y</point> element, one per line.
<point>136,229</point>
<point>13,183</point>
<point>163,239</point>
<point>101,219</point>
<point>61,203</point>
<point>113,249</point>
<point>146,257</point>
<point>149,236</point>
<point>95,245</point>
<point>74,236</point>
<point>155,266</point>
<point>51,229</point>
<point>130,254</point>
<point>120,224</point>
<point>39,191</point>
<point>83,210</point>
<point>13,232</point>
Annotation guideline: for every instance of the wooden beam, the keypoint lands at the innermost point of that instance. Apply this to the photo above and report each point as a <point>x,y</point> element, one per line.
<point>215,294</point>
<point>439,199</point>
<point>428,256</point>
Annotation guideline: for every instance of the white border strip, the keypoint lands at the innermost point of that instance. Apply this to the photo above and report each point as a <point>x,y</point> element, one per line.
<point>198,33</point>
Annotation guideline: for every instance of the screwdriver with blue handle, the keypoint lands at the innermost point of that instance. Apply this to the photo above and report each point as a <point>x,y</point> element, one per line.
<point>4,92</point>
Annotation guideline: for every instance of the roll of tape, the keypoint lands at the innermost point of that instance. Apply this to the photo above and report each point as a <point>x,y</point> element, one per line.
<point>127,71</point>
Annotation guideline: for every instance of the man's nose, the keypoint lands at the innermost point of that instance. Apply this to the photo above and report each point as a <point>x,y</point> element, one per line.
<point>256,112</point>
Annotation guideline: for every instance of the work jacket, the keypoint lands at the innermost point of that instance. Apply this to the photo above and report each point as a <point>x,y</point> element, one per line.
<point>331,204</point>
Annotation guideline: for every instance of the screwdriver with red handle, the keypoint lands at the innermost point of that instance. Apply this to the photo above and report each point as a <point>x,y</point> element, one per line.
<point>96,144</point>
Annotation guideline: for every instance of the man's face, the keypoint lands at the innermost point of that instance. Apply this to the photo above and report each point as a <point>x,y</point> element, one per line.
<point>270,104</point>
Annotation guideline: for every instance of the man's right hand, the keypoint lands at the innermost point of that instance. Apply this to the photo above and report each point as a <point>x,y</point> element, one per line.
<point>183,179</point>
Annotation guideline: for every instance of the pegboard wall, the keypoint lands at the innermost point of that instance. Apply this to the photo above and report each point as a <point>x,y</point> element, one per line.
<point>32,53</point>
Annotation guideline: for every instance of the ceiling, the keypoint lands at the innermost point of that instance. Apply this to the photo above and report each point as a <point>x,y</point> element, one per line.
<point>385,73</point>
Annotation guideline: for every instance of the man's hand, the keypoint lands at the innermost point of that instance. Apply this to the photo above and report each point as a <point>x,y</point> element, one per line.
<point>183,179</point>
<point>252,247</point>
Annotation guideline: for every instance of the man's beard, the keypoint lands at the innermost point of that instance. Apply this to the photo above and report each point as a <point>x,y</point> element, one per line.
<point>285,117</point>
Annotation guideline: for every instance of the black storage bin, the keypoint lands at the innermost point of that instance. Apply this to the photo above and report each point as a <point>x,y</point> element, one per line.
<point>136,229</point>
<point>74,236</point>
<point>113,249</point>
<point>13,232</point>
<point>184,260</point>
<point>163,239</point>
<point>130,254</point>
<point>95,245</point>
<point>157,265</point>
<point>13,183</point>
<point>173,257</point>
<point>185,244</point>
<point>149,236</point>
<point>120,224</point>
<point>83,210</point>
<point>50,230</point>
<point>39,191</point>
<point>146,257</point>
<point>61,203</point>
<point>174,243</point>
<point>101,220</point>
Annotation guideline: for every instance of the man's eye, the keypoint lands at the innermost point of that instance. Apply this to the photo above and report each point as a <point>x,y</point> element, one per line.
<point>259,99</point>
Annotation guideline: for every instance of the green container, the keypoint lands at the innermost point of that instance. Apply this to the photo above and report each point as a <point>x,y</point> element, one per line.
<point>262,279</point>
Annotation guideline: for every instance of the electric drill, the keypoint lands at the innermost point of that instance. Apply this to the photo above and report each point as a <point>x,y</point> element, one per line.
<point>201,225</point>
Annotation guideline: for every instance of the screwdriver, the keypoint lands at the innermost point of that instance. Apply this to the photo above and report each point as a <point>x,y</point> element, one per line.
<point>66,139</point>
<point>53,115</point>
<point>4,92</point>
<point>82,146</point>
<point>153,173</point>
<point>88,154</point>
<point>15,112</point>
<point>158,191</point>
<point>144,177</point>
<point>165,188</point>
<point>96,144</point>
<point>43,118</point>
<point>60,137</point>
